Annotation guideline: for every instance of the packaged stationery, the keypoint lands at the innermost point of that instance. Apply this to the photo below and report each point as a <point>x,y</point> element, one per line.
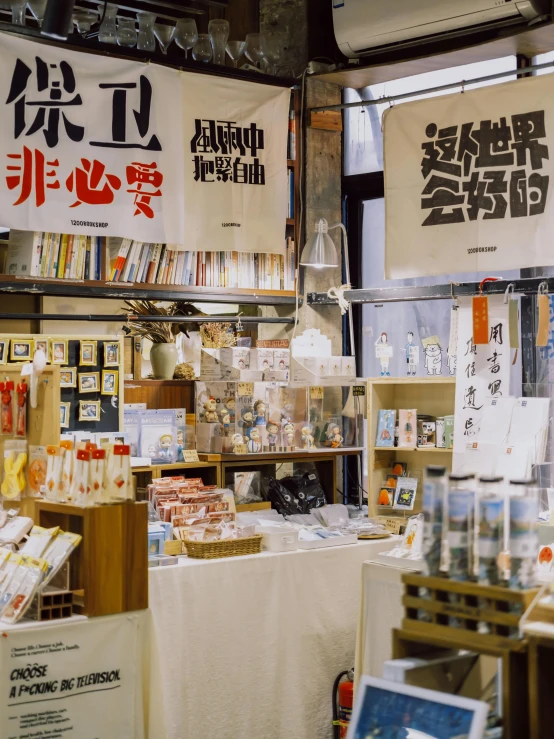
<point>22,589</point>
<point>54,466</point>
<point>407,428</point>
<point>58,551</point>
<point>385,428</point>
<point>489,530</point>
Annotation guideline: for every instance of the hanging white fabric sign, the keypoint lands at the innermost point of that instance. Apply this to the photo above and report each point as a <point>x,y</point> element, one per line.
<point>235,139</point>
<point>89,144</point>
<point>483,370</point>
<point>469,181</point>
<point>77,682</point>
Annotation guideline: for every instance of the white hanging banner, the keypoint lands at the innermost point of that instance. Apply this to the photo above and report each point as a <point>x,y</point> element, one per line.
<point>235,139</point>
<point>483,370</point>
<point>89,144</point>
<point>79,681</point>
<point>469,181</point>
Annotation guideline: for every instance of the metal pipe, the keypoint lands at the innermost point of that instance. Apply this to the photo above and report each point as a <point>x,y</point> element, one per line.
<point>156,319</point>
<point>438,88</point>
<point>381,295</point>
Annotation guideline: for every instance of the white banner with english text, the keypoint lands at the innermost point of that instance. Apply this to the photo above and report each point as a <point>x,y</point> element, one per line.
<point>78,680</point>
<point>469,181</point>
<point>235,141</point>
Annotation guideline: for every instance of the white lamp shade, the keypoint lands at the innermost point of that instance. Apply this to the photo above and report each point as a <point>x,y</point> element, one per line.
<point>320,250</point>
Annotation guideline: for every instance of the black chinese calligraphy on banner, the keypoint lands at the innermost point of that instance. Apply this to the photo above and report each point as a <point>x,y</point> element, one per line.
<point>482,373</point>
<point>89,145</point>
<point>468,180</point>
<point>235,170</point>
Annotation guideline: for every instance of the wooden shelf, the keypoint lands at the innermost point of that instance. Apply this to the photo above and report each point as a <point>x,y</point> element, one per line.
<point>421,450</point>
<point>432,395</point>
<point>493,44</point>
<point>157,383</point>
<point>134,291</point>
<point>285,456</point>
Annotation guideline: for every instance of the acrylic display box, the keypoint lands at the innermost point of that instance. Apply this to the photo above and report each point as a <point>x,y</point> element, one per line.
<point>258,417</point>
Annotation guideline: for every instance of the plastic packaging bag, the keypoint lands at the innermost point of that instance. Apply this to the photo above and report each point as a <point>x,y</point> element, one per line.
<point>280,498</point>
<point>306,489</point>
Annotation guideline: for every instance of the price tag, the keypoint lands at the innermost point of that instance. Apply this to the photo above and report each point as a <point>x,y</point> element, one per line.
<point>240,449</point>
<point>190,455</point>
<point>358,391</point>
<point>393,525</point>
<point>245,389</point>
<point>316,392</point>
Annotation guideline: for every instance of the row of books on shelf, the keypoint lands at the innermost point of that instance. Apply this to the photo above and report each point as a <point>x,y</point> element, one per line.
<point>156,264</point>
<point>45,254</point>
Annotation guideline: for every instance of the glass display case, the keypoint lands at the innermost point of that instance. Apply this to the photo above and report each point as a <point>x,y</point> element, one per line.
<point>257,417</point>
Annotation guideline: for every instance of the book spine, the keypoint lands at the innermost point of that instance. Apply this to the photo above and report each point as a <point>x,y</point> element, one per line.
<point>69,256</point>
<point>60,271</point>
<point>87,259</point>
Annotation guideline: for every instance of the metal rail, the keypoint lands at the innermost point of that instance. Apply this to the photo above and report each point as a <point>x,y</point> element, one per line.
<point>522,286</point>
<point>439,88</point>
<point>157,319</point>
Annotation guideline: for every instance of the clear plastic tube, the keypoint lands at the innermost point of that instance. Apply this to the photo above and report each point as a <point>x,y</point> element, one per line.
<point>434,489</point>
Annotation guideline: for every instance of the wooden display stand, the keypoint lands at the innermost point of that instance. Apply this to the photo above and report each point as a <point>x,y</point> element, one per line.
<point>539,631</point>
<point>324,461</point>
<point>433,396</point>
<point>452,612</point>
<point>109,569</point>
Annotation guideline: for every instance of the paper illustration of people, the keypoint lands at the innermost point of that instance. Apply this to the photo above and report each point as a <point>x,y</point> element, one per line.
<point>383,352</point>
<point>412,355</point>
<point>451,361</point>
<point>433,359</point>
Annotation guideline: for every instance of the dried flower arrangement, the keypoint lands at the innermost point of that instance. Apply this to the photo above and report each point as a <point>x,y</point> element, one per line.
<point>157,332</point>
<point>217,335</point>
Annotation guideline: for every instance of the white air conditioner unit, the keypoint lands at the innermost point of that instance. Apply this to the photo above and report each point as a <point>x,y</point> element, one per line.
<point>363,26</point>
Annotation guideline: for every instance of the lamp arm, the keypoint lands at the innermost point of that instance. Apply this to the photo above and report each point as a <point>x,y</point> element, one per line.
<point>347,271</point>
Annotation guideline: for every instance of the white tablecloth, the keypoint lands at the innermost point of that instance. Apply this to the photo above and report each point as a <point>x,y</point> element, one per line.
<point>249,647</point>
<point>380,612</point>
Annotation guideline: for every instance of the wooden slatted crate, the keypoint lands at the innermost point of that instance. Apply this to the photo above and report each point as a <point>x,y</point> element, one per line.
<point>464,611</point>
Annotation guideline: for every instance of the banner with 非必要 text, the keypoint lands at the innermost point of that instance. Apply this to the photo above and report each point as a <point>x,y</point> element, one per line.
<point>468,181</point>
<point>107,147</point>
<point>89,144</point>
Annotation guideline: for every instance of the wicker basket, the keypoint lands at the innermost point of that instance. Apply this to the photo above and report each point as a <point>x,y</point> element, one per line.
<point>225,548</point>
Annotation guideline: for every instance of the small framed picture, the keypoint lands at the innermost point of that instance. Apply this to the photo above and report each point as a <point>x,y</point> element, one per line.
<point>89,410</point>
<point>59,351</point>
<point>109,382</point>
<point>88,353</point>
<point>4,350</point>
<point>43,344</point>
<point>65,409</point>
<point>405,494</point>
<point>68,377</point>
<point>22,350</point>
<point>89,382</point>
<point>111,354</point>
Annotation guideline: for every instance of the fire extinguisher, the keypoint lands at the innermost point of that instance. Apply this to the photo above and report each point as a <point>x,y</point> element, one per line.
<point>343,699</point>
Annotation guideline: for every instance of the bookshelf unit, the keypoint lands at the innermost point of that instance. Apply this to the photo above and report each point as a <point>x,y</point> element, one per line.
<point>433,396</point>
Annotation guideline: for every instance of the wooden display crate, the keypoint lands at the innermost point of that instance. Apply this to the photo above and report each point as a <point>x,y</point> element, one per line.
<point>428,395</point>
<point>51,605</point>
<point>109,569</point>
<point>464,610</point>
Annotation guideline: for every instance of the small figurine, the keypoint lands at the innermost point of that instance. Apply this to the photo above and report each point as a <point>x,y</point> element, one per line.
<point>210,411</point>
<point>288,431</point>
<point>272,429</point>
<point>226,421</point>
<point>247,417</point>
<point>253,436</point>
<point>236,441</point>
<point>230,404</point>
<point>307,436</point>
<point>334,438</point>
<point>164,447</point>
<point>180,445</point>
<point>260,410</point>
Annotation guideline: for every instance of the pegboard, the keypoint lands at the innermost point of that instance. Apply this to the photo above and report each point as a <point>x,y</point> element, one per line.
<point>111,406</point>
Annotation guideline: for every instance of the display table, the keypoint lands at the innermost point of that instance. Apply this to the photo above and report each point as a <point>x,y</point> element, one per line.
<point>250,646</point>
<point>381,611</point>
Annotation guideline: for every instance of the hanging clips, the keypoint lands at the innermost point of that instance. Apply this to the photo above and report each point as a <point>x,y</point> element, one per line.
<point>543,288</point>
<point>509,291</point>
<point>239,328</point>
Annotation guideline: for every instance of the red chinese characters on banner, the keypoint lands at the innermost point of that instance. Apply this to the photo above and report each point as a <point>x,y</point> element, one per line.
<point>31,174</point>
<point>148,181</point>
<point>86,182</point>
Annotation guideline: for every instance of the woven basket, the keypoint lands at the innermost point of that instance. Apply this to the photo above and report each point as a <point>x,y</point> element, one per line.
<point>225,548</point>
